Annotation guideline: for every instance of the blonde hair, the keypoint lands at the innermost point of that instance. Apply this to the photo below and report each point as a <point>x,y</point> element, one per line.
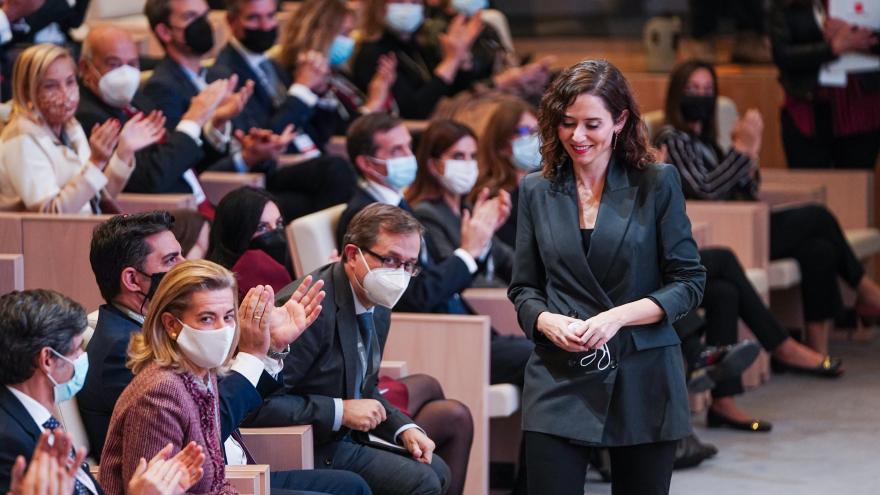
<point>313,27</point>
<point>373,19</point>
<point>30,68</point>
<point>153,344</point>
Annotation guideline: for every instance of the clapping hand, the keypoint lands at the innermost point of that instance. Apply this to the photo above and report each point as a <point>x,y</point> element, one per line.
<point>312,69</point>
<point>253,317</point>
<point>164,476</point>
<point>233,102</point>
<point>747,132</point>
<point>103,141</point>
<point>139,132</point>
<point>259,145</point>
<point>288,322</point>
<point>51,471</point>
<point>379,88</point>
<point>203,105</point>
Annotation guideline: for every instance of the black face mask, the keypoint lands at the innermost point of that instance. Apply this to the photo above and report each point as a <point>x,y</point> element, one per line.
<point>199,35</point>
<point>697,108</point>
<point>274,244</point>
<point>155,280</point>
<point>259,40</point>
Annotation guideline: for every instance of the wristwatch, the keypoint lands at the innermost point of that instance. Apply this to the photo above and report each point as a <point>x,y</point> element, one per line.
<point>279,355</point>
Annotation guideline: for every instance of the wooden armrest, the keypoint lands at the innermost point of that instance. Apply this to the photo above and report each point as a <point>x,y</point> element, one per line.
<point>416,126</point>
<point>251,479</point>
<point>291,159</point>
<point>742,226</point>
<point>783,195</point>
<point>284,448</point>
<point>218,184</point>
<point>702,233</point>
<point>455,350</point>
<point>136,203</point>
<point>393,369</point>
<point>11,272</point>
<point>495,304</point>
<point>848,193</point>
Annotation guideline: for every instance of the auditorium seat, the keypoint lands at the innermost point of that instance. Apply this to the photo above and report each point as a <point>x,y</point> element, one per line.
<point>312,239</point>
<point>218,184</point>
<point>137,202</point>
<point>11,273</point>
<point>283,448</point>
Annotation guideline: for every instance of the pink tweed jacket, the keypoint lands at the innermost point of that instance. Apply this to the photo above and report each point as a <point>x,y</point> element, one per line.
<point>158,407</point>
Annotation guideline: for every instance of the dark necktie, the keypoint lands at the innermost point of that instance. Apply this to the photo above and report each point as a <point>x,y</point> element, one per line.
<point>236,435</point>
<point>272,83</point>
<point>366,329</point>
<point>78,488</point>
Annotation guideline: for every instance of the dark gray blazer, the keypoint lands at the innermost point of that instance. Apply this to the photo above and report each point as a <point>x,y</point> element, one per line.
<point>443,237</point>
<point>641,247</point>
<point>322,364</point>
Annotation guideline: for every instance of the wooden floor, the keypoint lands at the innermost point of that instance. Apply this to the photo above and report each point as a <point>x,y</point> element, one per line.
<point>750,86</point>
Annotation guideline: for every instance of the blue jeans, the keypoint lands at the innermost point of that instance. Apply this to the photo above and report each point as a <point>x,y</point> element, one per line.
<point>313,482</point>
<point>388,473</point>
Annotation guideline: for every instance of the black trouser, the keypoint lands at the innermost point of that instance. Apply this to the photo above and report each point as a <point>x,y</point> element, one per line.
<point>824,149</point>
<point>557,466</point>
<point>728,297</point>
<point>749,15</point>
<point>812,236</point>
<point>312,185</point>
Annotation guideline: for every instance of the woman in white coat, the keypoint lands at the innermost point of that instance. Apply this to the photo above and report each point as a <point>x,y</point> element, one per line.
<point>46,162</point>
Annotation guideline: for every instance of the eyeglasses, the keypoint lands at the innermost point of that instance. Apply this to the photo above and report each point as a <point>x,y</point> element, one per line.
<point>391,262</point>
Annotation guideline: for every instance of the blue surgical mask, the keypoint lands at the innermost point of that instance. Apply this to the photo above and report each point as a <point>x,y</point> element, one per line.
<point>401,171</point>
<point>404,17</point>
<point>469,7</point>
<point>65,391</point>
<point>340,50</point>
<point>527,152</point>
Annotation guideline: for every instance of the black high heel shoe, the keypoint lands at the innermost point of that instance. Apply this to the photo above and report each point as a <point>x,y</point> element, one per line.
<point>830,367</point>
<point>717,420</point>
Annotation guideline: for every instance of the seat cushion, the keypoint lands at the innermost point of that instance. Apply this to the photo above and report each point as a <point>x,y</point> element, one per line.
<point>864,242</point>
<point>503,400</point>
<point>783,273</point>
<point>758,278</point>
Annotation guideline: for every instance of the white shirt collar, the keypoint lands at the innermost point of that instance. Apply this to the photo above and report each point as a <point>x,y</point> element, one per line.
<point>358,307</point>
<point>252,58</point>
<point>382,193</point>
<point>130,313</point>
<point>37,411</point>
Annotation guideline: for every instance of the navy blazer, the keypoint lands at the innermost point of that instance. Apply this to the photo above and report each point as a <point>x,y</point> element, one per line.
<point>108,376</point>
<point>260,111</point>
<point>641,247</point>
<point>322,365</point>
<point>170,90</point>
<point>438,282</point>
<point>18,436</point>
<point>159,168</point>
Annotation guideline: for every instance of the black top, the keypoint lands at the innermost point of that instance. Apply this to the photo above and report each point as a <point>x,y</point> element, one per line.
<point>586,235</point>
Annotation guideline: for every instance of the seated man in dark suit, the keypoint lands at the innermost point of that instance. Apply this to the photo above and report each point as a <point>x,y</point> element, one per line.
<point>109,78</point>
<point>42,333</point>
<point>331,373</point>
<point>12,20</point>
<point>129,255</point>
<point>186,34</point>
<point>379,147</point>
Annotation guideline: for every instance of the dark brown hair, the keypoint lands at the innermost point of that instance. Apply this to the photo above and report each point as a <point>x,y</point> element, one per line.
<point>674,94</point>
<point>312,27</point>
<point>603,80</point>
<point>359,138</point>
<point>497,172</point>
<point>436,140</point>
<point>364,229</point>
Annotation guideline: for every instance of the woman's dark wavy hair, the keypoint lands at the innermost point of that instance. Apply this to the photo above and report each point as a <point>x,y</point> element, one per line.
<point>675,93</point>
<point>603,80</point>
<point>235,221</point>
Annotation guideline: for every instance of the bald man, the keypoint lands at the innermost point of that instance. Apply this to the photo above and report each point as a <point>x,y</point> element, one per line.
<point>110,76</point>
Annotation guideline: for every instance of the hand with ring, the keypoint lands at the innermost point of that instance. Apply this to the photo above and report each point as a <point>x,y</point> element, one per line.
<point>253,315</point>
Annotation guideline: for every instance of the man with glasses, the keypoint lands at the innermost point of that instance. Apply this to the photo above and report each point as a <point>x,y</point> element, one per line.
<point>332,370</point>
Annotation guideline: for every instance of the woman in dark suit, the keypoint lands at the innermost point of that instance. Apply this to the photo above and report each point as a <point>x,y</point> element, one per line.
<point>604,264</point>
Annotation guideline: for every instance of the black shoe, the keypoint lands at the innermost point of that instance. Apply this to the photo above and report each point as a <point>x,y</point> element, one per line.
<point>829,367</point>
<point>717,420</point>
<point>727,361</point>
<point>690,452</point>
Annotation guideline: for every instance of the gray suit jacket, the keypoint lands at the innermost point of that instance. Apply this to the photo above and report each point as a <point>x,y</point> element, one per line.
<point>641,247</point>
<point>443,237</point>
